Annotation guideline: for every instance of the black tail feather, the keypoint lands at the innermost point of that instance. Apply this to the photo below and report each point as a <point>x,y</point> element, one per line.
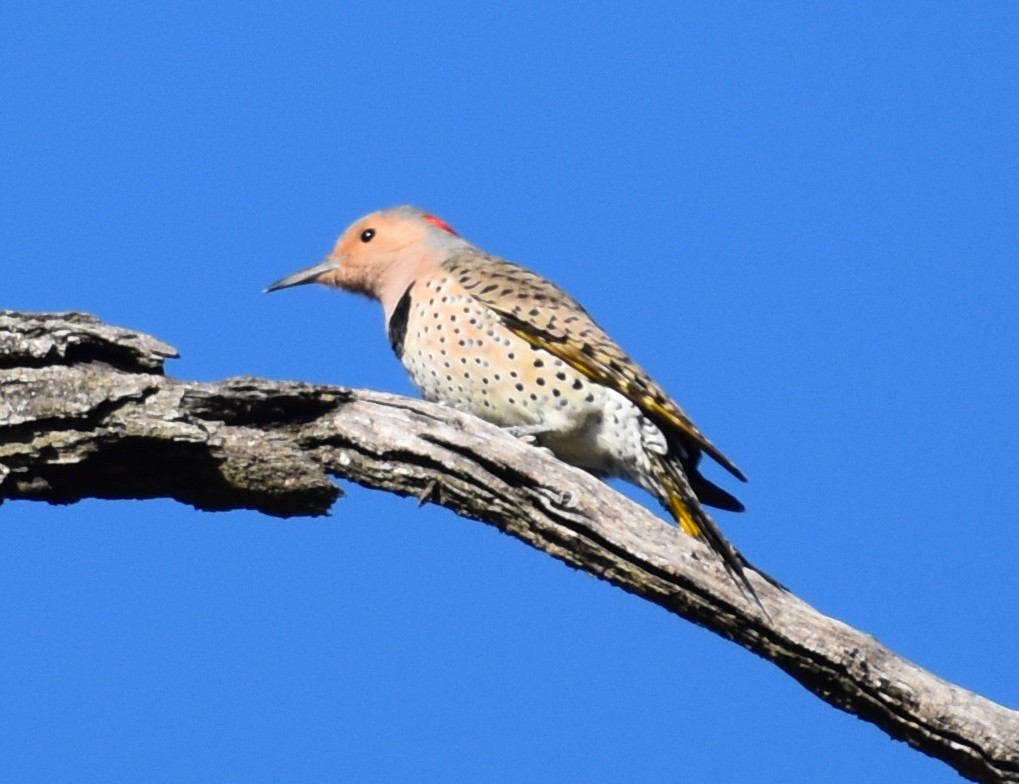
<point>711,494</point>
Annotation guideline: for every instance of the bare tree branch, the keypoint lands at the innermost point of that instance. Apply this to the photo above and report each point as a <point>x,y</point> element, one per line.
<point>86,412</point>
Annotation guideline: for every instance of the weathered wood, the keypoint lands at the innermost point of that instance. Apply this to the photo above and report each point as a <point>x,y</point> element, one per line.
<point>86,411</point>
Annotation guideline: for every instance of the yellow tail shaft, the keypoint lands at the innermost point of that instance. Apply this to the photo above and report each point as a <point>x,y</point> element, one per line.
<point>684,517</point>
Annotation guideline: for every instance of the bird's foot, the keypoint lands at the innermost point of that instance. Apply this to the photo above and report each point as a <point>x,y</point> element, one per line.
<point>530,435</point>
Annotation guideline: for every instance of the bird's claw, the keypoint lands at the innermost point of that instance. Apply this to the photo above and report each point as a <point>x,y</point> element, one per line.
<point>530,436</point>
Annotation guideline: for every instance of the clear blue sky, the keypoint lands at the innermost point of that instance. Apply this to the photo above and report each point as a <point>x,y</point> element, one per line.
<point>802,219</point>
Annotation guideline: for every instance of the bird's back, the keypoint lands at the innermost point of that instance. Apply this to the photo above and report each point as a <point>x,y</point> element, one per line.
<point>544,316</point>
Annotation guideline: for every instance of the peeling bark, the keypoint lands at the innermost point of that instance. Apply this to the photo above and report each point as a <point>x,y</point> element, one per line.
<point>87,412</point>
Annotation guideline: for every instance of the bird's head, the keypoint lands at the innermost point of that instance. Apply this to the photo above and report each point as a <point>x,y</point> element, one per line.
<point>381,254</point>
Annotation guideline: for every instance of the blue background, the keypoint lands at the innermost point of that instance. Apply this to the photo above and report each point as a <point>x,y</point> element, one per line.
<point>800,216</point>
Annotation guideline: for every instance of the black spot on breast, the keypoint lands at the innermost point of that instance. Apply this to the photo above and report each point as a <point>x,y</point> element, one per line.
<point>396,329</point>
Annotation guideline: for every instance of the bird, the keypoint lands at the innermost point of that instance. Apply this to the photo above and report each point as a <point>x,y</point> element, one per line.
<point>494,339</point>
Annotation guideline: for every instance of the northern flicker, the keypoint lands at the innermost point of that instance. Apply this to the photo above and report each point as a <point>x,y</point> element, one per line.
<point>486,336</point>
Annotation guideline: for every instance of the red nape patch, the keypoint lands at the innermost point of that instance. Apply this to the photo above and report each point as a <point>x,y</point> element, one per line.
<point>441,224</point>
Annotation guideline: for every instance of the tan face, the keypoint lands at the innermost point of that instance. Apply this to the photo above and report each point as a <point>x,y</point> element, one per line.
<point>378,252</point>
<point>369,246</point>
<point>360,256</point>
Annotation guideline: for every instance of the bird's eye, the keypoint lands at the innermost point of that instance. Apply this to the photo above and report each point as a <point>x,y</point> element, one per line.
<point>367,234</point>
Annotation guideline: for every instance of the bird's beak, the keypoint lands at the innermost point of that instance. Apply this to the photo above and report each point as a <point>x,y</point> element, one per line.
<point>309,275</point>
